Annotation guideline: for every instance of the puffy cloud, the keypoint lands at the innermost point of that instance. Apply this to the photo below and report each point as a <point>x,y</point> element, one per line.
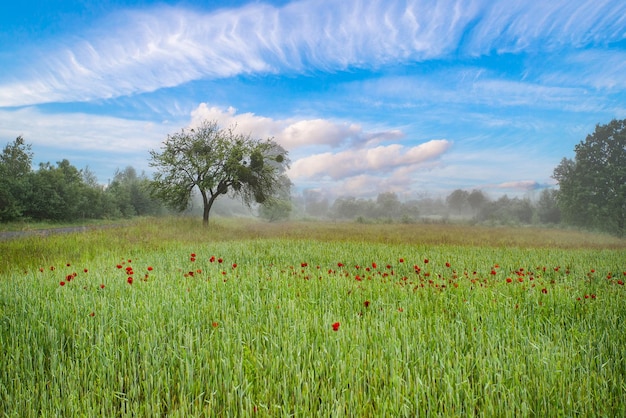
<point>294,133</point>
<point>380,159</point>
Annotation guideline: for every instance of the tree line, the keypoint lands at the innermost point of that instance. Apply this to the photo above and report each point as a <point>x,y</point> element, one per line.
<point>63,193</point>
<point>460,205</point>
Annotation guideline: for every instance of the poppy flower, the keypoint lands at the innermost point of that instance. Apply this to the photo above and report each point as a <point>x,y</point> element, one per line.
<point>212,259</point>
<point>102,286</point>
<point>215,324</point>
<point>336,326</point>
<point>220,260</point>
<point>401,260</point>
<point>62,283</point>
<point>544,290</point>
<point>366,303</point>
<point>150,268</point>
<point>373,265</point>
<point>129,280</point>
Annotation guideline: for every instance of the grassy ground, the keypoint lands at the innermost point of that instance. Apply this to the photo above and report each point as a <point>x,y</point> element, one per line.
<point>165,318</point>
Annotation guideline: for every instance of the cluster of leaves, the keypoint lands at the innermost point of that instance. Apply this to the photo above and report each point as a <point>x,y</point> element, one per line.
<point>592,186</point>
<point>65,193</point>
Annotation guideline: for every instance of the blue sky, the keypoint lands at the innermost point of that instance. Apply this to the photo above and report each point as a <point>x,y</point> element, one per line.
<point>415,97</point>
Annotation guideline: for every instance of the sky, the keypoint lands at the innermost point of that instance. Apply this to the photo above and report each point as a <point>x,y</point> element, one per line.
<point>415,97</point>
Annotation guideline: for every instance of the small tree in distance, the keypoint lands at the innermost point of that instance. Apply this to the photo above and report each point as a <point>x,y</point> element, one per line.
<point>216,162</point>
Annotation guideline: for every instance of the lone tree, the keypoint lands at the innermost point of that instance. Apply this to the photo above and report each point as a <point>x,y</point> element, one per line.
<point>592,187</point>
<point>217,162</point>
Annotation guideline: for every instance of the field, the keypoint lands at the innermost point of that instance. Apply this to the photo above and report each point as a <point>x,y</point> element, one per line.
<point>163,318</point>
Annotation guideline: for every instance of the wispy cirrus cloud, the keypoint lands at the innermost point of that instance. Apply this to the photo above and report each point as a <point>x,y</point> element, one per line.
<point>142,51</point>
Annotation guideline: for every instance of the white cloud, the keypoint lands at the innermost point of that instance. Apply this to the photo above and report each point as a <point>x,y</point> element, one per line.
<point>142,51</point>
<point>294,133</point>
<point>377,160</point>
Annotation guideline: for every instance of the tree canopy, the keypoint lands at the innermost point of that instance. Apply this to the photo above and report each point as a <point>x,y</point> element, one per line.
<point>592,187</point>
<point>215,162</point>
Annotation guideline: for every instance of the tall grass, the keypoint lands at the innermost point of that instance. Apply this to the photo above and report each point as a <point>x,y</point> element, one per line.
<point>476,330</point>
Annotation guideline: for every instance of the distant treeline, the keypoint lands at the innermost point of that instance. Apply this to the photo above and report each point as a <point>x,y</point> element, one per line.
<point>472,206</point>
<point>64,193</point>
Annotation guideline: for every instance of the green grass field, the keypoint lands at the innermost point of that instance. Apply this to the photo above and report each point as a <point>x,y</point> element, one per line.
<point>163,318</point>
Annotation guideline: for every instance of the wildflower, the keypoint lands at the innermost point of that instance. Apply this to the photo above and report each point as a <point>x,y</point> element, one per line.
<point>219,260</point>
<point>62,283</point>
<point>212,259</point>
<point>366,303</point>
<point>447,264</point>
<point>425,261</point>
<point>401,260</point>
<point>509,280</point>
<point>215,324</point>
<point>102,286</point>
<point>620,282</point>
<point>92,314</point>
<point>85,270</point>
<point>193,255</point>
<point>129,280</point>
<point>336,326</point>
<point>234,265</point>
<point>373,265</point>
<point>150,268</point>
<point>544,290</point>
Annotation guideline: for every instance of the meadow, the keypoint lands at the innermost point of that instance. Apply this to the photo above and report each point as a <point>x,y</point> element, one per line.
<point>164,318</point>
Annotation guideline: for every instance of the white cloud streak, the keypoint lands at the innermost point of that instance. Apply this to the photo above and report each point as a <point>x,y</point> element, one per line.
<point>142,51</point>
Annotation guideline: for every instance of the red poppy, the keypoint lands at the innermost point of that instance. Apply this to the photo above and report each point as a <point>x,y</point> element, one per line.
<point>373,265</point>
<point>193,254</point>
<point>92,314</point>
<point>447,264</point>
<point>192,259</point>
<point>509,280</point>
<point>119,266</point>
<point>102,286</point>
<point>62,283</point>
<point>544,290</point>
<point>425,261</point>
<point>620,282</point>
<point>401,260</point>
<point>150,268</point>
<point>212,259</point>
<point>85,270</point>
<point>129,280</point>
<point>219,260</point>
<point>234,265</point>
<point>366,303</point>
<point>215,324</point>
<point>336,326</point>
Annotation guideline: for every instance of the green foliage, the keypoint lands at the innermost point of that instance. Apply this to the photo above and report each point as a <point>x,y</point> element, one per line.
<point>592,187</point>
<point>63,193</point>
<point>214,162</point>
<point>15,162</point>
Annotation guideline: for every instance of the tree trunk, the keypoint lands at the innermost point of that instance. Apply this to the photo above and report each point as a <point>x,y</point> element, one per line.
<point>208,202</point>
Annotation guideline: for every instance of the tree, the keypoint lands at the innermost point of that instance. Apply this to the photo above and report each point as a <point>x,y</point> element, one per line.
<point>457,200</point>
<point>547,209</point>
<point>15,167</point>
<point>592,187</point>
<point>216,162</point>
